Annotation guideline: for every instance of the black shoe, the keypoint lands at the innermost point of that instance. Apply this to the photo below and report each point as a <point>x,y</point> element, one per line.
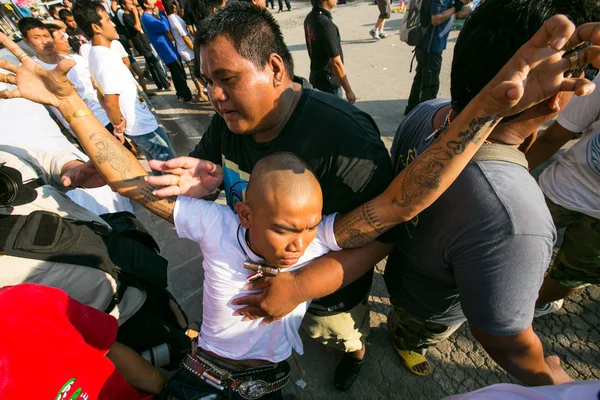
<point>347,371</point>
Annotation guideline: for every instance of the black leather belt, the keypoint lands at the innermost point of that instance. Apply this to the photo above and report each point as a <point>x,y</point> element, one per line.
<point>248,383</point>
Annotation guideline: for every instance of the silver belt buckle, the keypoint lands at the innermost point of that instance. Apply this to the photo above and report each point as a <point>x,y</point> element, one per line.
<point>253,389</point>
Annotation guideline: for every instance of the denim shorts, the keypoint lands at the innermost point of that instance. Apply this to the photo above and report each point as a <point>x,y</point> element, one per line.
<point>154,146</point>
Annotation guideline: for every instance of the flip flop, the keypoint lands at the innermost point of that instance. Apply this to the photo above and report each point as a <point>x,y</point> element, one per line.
<point>411,359</point>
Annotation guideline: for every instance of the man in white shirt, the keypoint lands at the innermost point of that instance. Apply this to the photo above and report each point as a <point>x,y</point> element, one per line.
<point>127,110</point>
<point>39,37</point>
<point>572,189</point>
<point>183,42</point>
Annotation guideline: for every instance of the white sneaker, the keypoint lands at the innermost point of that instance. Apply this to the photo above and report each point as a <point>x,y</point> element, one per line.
<point>374,34</point>
<point>383,35</point>
<point>549,308</point>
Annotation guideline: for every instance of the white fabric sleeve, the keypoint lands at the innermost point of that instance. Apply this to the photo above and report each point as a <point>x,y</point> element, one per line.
<point>581,112</point>
<point>194,218</point>
<point>176,25</point>
<point>326,234</point>
<point>118,48</point>
<point>109,80</point>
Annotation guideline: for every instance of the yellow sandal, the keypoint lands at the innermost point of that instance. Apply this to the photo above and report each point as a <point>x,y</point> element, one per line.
<point>411,359</point>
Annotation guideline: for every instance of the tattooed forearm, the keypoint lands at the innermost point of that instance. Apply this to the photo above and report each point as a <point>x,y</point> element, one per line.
<point>425,172</point>
<point>161,206</point>
<point>112,152</point>
<point>473,134</point>
<point>359,227</point>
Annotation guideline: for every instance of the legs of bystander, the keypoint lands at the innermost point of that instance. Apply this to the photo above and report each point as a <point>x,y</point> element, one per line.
<point>426,82</point>
<point>154,146</point>
<point>180,81</point>
<point>158,74</point>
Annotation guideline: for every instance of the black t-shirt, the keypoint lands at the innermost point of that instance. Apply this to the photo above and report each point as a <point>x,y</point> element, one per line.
<point>76,38</point>
<point>139,39</point>
<point>340,142</point>
<point>323,42</point>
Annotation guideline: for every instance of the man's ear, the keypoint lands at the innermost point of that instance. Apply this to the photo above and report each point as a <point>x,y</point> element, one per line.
<point>277,65</point>
<point>96,28</point>
<point>244,214</point>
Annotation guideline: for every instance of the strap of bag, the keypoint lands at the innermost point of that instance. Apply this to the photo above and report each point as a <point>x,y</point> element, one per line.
<point>46,236</point>
<point>500,152</point>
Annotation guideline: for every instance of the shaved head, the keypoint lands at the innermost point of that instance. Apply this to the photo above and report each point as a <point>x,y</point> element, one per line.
<point>282,208</point>
<point>283,174</point>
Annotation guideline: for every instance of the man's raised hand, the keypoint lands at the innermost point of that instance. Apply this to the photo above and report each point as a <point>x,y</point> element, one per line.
<point>33,81</point>
<point>186,176</point>
<point>537,70</point>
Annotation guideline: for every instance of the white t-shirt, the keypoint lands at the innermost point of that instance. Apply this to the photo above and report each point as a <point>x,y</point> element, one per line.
<point>111,76</point>
<point>215,228</point>
<point>115,45</point>
<point>79,75</point>
<point>573,180</point>
<point>179,30</point>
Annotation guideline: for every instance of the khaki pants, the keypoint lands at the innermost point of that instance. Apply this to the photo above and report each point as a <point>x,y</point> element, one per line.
<point>413,333</point>
<point>578,261</point>
<point>345,331</point>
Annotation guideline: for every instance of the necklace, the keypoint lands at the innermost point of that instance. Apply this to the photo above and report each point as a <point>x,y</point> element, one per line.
<point>260,269</point>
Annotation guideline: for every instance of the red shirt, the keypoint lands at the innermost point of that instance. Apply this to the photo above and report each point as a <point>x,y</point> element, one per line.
<point>53,347</point>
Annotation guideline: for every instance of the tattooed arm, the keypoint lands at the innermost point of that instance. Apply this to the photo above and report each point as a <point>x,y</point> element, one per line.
<point>419,184</point>
<point>119,167</point>
<point>535,73</point>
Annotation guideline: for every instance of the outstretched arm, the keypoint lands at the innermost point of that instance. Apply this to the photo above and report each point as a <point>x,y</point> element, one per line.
<point>533,74</point>
<point>119,167</point>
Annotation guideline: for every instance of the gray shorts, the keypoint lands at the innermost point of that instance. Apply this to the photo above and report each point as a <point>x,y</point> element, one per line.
<point>385,8</point>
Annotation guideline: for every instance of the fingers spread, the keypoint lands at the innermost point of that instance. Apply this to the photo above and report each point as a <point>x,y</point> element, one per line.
<point>64,66</point>
<point>10,94</point>
<point>7,65</point>
<point>157,165</point>
<point>183,162</point>
<point>581,86</point>
<point>12,47</point>
<point>251,312</point>
<point>250,300</point>
<point>167,191</point>
<point>589,32</point>
<point>554,32</point>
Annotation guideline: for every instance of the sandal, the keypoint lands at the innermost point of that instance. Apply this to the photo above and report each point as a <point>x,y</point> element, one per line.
<point>412,359</point>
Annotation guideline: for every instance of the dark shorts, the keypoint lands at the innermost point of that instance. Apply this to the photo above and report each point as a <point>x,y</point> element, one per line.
<point>385,8</point>
<point>578,261</point>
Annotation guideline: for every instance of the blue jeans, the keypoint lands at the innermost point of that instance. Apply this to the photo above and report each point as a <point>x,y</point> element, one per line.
<point>154,146</point>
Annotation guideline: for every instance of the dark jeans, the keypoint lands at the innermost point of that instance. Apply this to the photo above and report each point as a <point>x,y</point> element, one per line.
<point>180,80</point>
<point>427,78</point>
<point>158,74</point>
<point>287,4</point>
<point>272,3</point>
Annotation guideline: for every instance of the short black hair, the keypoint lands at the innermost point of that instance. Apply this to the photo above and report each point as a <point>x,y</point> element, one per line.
<point>87,13</point>
<point>168,5</point>
<point>495,31</point>
<point>26,24</point>
<point>201,9</point>
<point>143,3</point>
<point>53,8</point>
<point>252,30</point>
<point>64,14</point>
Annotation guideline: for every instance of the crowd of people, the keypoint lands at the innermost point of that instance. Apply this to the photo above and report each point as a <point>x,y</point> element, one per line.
<point>314,199</point>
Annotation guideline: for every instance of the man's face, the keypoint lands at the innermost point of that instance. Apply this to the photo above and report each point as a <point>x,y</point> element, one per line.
<point>260,3</point>
<point>40,41</point>
<point>150,4</point>
<point>109,31</point>
<point>281,230</point>
<point>61,44</point>
<point>70,22</point>
<point>244,95</point>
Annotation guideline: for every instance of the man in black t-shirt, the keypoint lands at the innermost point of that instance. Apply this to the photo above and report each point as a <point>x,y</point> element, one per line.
<point>327,70</point>
<point>261,110</point>
<point>76,35</point>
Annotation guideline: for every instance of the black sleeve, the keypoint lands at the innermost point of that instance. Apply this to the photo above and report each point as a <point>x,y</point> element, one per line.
<point>209,147</point>
<point>74,43</point>
<point>330,40</point>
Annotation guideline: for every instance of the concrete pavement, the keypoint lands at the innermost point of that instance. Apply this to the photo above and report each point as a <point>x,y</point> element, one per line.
<point>378,73</point>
